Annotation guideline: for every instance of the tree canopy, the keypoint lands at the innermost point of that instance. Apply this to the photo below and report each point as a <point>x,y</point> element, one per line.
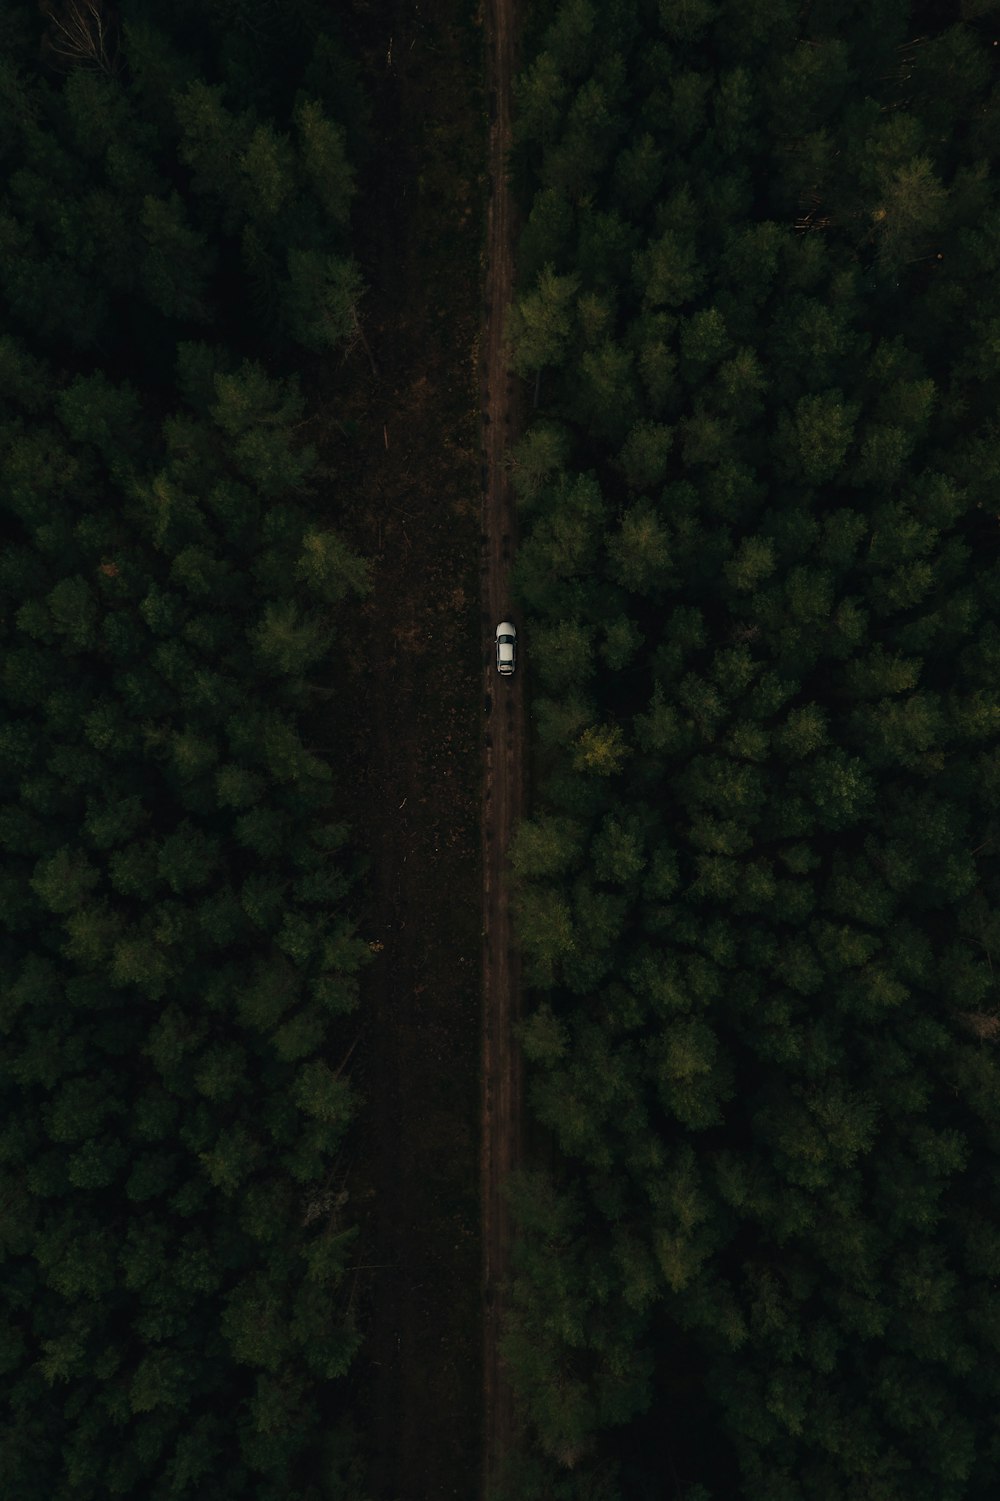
<point>758,891</point>
<point>179,961</point>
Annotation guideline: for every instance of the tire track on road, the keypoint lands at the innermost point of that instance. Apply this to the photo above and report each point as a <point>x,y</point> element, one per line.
<point>504,743</point>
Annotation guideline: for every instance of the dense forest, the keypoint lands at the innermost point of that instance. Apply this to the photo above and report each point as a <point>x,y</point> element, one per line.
<point>760,588</point>
<point>178,962</point>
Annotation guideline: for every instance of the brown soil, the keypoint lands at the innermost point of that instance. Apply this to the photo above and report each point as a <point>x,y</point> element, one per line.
<point>408,472</point>
<point>418,421</point>
<point>504,761</point>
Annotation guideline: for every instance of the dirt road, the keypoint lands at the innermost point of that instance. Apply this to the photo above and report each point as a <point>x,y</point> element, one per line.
<point>407,468</point>
<point>503,753</point>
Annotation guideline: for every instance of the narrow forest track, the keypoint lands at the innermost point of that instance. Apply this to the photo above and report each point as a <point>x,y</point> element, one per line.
<point>405,476</point>
<point>504,752</point>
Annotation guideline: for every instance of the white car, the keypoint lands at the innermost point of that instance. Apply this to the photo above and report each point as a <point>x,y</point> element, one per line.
<point>506,648</point>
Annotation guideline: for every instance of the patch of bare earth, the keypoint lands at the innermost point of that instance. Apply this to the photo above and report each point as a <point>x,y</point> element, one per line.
<point>408,464</point>
<point>504,761</point>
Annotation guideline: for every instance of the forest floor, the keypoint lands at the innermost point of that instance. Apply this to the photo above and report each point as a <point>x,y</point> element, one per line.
<point>504,754</point>
<point>406,470</point>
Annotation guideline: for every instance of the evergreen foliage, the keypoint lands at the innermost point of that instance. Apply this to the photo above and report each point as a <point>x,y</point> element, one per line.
<point>178,962</point>
<point>758,894</point>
